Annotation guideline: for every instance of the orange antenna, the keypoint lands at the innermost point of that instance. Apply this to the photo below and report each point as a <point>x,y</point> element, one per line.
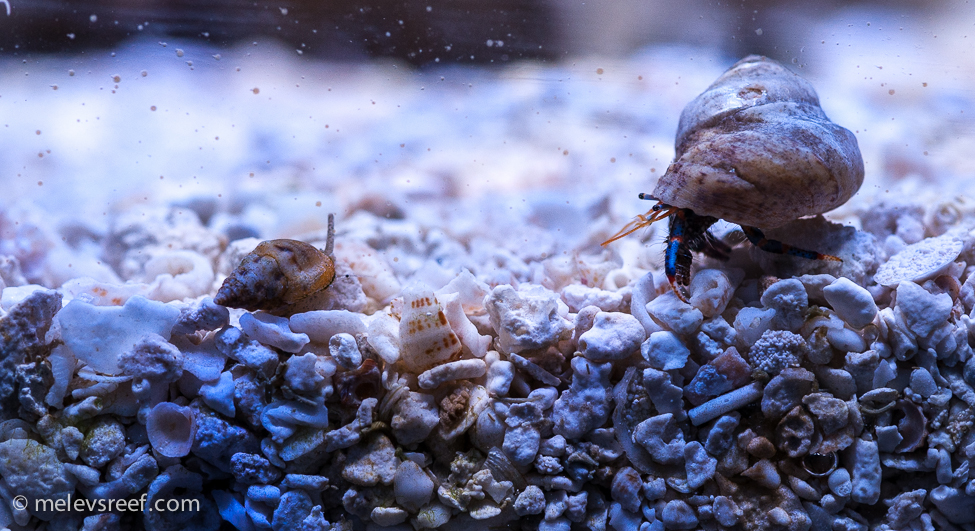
<point>657,213</point>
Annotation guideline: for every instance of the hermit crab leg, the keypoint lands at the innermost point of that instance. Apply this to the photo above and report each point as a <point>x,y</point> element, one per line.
<point>657,213</point>
<point>758,239</point>
<point>677,257</point>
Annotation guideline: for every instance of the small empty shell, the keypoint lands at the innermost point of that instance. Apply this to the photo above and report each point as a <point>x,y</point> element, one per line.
<point>426,339</point>
<point>911,424</point>
<point>878,400</point>
<point>278,273</point>
<point>819,465</point>
<point>171,429</point>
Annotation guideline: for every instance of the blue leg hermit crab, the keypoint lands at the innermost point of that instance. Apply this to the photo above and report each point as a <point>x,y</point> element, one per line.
<point>755,149</point>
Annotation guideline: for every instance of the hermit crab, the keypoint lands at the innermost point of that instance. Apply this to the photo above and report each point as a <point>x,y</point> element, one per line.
<point>754,149</point>
<point>279,273</point>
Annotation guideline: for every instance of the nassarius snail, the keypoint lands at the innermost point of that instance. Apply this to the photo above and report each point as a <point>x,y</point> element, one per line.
<point>279,273</point>
<point>754,149</point>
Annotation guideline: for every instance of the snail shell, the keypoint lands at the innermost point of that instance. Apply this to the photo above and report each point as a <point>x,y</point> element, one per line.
<point>426,339</point>
<point>276,273</point>
<point>756,149</point>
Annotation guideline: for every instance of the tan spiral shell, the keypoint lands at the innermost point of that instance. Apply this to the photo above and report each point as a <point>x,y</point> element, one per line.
<point>756,149</point>
<point>275,274</point>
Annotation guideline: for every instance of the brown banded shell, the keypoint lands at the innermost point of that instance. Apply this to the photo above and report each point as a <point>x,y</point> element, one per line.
<point>278,273</point>
<point>426,339</point>
<point>756,149</point>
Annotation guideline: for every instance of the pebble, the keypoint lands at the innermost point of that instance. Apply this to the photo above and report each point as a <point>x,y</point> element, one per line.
<point>626,489</point>
<point>345,351</point>
<point>677,514</point>
<point>954,504</point>
<point>321,325</point>
<point>725,511</point>
<point>272,330</point>
<point>840,483</point>
<point>752,323</point>
<point>529,319</point>
<point>851,302</point>
<point>711,291</point>
<point>866,473</point>
<point>700,466</point>
<point>776,350</point>
<point>613,336</point>
<point>923,383</point>
<point>764,473</point>
<point>411,486</point>
<point>577,296</point>
<point>922,311</point>
<point>789,301</point>
<point>674,314</point>
<point>665,351</point>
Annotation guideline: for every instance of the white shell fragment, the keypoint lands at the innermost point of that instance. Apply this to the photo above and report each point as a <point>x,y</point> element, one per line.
<point>456,370</point>
<point>98,335</point>
<point>919,261</point>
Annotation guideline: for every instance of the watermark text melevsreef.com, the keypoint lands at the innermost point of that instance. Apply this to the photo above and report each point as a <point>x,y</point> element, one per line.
<point>106,505</point>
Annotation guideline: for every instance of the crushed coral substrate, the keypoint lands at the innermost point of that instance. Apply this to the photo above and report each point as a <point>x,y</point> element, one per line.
<point>479,361</point>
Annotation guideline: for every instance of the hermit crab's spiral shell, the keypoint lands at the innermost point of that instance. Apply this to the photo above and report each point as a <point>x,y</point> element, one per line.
<point>275,274</point>
<point>756,149</point>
